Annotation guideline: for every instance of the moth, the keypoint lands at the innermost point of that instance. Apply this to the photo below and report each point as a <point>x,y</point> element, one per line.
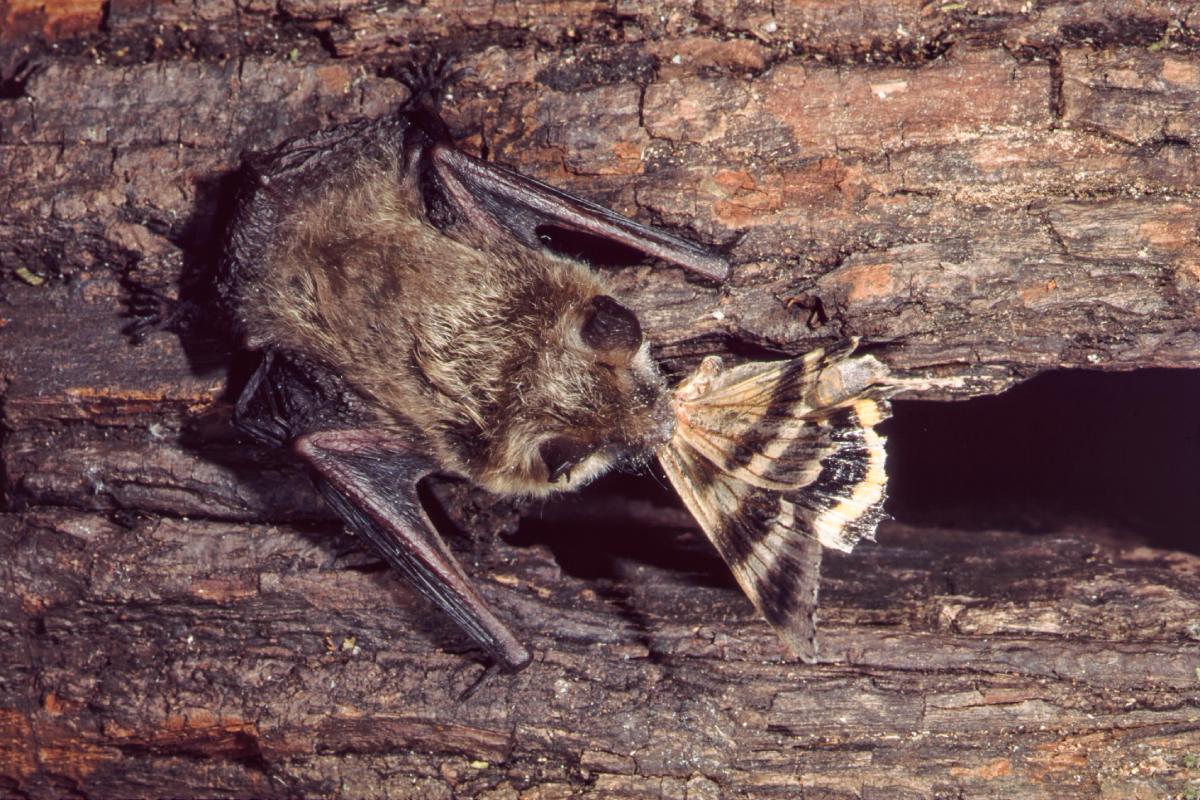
<point>777,461</point>
<point>411,322</point>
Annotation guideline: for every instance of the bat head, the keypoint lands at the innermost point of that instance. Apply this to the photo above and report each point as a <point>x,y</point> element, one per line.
<point>580,392</point>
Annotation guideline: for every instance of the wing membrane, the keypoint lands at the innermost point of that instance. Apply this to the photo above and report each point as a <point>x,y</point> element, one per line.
<point>370,479</point>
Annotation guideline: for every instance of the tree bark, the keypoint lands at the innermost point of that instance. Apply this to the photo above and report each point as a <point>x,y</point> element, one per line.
<point>982,191</point>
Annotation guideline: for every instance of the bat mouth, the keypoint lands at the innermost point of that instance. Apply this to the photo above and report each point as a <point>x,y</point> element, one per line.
<point>587,470</point>
<point>663,421</point>
<point>631,459</point>
<point>634,462</point>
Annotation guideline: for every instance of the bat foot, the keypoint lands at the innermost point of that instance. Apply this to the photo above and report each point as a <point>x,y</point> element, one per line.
<point>339,555</point>
<point>429,80</point>
<point>151,310</point>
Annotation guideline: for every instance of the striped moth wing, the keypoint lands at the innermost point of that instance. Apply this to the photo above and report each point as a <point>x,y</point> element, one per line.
<point>777,460</point>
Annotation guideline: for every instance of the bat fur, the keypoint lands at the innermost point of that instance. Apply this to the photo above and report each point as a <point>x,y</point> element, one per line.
<point>473,346</point>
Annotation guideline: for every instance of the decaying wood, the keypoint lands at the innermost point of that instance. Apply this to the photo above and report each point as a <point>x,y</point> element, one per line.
<point>980,190</point>
<point>179,658</point>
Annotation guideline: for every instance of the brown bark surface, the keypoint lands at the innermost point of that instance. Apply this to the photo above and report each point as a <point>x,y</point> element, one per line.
<point>982,190</point>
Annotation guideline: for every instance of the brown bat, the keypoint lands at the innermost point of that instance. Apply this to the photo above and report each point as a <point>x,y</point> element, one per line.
<point>412,322</point>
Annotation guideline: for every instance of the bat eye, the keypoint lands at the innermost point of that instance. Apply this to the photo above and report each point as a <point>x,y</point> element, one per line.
<point>561,454</point>
<point>611,326</point>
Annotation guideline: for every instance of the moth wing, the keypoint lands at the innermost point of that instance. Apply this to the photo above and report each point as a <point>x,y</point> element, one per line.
<point>804,427</point>
<point>776,461</point>
<point>777,565</point>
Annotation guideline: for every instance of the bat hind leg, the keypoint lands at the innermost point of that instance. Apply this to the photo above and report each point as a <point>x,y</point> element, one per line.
<point>288,396</point>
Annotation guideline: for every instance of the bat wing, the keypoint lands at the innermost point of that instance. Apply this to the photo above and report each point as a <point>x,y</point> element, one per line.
<point>776,461</point>
<point>370,479</point>
<point>491,197</point>
<point>459,192</point>
<point>522,207</point>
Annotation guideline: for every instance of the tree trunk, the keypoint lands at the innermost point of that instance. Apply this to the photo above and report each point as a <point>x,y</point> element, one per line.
<point>981,190</point>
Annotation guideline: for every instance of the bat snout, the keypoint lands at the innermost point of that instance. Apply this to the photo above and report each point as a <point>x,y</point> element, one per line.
<point>662,423</point>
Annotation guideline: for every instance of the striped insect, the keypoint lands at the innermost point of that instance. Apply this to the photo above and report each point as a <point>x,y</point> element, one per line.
<point>777,461</point>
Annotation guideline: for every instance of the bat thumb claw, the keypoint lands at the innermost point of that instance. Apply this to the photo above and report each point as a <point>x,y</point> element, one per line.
<point>478,683</point>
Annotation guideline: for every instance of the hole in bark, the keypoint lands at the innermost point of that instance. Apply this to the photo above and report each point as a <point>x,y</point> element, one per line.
<point>1117,452</point>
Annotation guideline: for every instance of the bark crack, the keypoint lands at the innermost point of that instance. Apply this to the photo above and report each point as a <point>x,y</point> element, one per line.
<point>32,700</point>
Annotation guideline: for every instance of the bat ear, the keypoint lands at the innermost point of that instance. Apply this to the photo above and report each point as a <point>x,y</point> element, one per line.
<point>610,326</point>
<point>560,454</point>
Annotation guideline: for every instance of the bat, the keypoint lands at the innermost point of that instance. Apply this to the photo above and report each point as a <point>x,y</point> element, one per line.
<point>412,322</point>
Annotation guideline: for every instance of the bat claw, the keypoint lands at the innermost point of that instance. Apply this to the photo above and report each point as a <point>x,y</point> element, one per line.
<point>429,80</point>
<point>149,310</point>
<point>478,683</point>
<point>339,554</point>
